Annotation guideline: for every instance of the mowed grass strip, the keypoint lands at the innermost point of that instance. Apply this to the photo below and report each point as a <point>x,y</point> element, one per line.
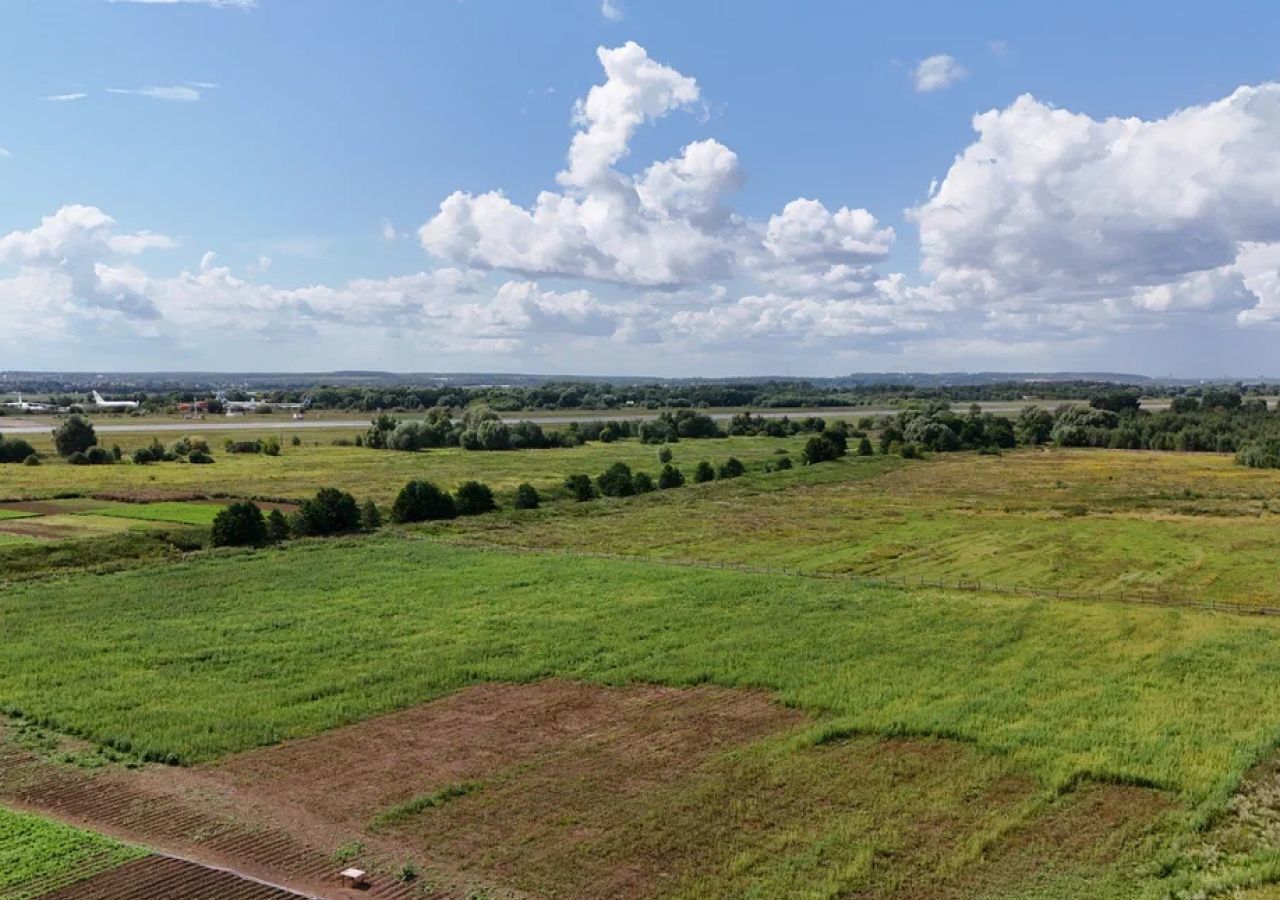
<point>204,658</point>
<point>165,511</point>
<point>38,856</point>
<point>376,474</point>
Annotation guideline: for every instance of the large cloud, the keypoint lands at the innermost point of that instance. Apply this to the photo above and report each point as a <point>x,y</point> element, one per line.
<point>1128,220</point>
<point>668,226</point>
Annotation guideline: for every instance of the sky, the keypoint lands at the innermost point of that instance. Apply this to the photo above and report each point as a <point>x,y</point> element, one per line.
<point>641,188</point>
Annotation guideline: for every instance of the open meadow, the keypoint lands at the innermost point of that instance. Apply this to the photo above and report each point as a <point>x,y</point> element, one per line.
<point>505,704</point>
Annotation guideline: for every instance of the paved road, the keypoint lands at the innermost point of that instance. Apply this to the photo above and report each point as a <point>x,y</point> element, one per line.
<point>18,425</point>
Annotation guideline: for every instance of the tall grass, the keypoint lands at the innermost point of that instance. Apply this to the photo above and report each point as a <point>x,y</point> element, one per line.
<point>200,659</point>
<point>38,856</point>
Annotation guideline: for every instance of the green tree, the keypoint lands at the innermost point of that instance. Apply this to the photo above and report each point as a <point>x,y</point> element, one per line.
<point>526,497</point>
<point>473,498</point>
<point>865,448</point>
<point>277,527</point>
<point>14,450</point>
<point>731,468</point>
<point>330,511</point>
<point>664,455</point>
<point>75,435</point>
<point>580,487</point>
<point>239,525</point>
<point>642,483</point>
<point>616,481</point>
<point>422,501</point>
<point>670,477</point>
<point>703,473</point>
<point>370,517</point>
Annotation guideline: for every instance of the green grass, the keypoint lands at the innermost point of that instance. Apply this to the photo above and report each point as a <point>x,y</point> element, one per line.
<point>205,658</point>
<point>378,474</point>
<point>1194,526</point>
<point>10,540</point>
<point>417,805</point>
<point>14,514</point>
<point>164,511</point>
<point>38,856</point>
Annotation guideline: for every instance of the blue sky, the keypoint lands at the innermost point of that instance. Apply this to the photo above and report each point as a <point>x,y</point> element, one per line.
<point>305,142</point>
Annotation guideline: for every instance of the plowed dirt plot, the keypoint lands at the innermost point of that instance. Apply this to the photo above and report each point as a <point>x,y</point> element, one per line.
<point>559,789</point>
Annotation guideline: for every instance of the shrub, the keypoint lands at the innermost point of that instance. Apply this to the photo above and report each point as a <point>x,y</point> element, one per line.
<point>239,525</point>
<point>822,448</point>
<point>783,462</point>
<point>580,488</point>
<point>330,511</point>
<point>642,483</point>
<point>864,447</point>
<point>664,455</point>
<point>422,501</point>
<point>295,441</point>
<point>144,455</point>
<point>670,477</point>
<point>704,473</point>
<point>731,468</point>
<point>78,459</point>
<point>271,446</point>
<point>243,446</point>
<point>526,497</point>
<point>14,450</point>
<point>277,527</point>
<point>200,457</point>
<point>99,456</point>
<point>910,451</point>
<point>370,518</point>
<point>31,460</point>
<point>473,498</point>
<point>616,481</point>
<point>75,435</point>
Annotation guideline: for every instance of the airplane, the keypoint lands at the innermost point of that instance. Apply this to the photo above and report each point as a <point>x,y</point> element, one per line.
<point>22,406</point>
<point>113,404</point>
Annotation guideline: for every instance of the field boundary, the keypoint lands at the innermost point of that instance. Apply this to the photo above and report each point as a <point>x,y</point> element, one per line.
<point>975,585</point>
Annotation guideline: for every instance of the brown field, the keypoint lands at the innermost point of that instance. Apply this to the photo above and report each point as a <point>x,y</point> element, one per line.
<point>163,878</point>
<point>566,790</point>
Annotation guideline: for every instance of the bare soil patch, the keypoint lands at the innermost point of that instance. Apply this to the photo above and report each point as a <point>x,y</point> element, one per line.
<point>163,878</point>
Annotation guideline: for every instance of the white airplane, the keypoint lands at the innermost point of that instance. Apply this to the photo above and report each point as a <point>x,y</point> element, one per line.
<point>22,406</point>
<point>113,404</point>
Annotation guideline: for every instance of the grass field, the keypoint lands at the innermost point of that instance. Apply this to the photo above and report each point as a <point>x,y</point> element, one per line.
<point>194,659</point>
<point>38,856</point>
<point>1194,526</point>
<point>378,474</point>
<point>73,519</point>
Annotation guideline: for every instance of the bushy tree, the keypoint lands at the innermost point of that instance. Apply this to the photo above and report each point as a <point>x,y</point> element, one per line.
<point>865,448</point>
<point>99,456</point>
<point>616,481</point>
<point>239,525</point>
<point>330,511</point>
<point>370,517</point>
<point>473,498</point>
<point>580,487</point>
<point>75,435</point>
<point>200,457</point>
<point>277,527</point>
<point>820,449</point>
<point>670,477</point>
<point>14,450</point>
<point>526,497</point>
<point>422,501</point>
<point>642,483</point>
<point>703,473</point>
<point>1033,426</point>
<point>784,462</point>
<point>731,468</point>
<point>664,455</point>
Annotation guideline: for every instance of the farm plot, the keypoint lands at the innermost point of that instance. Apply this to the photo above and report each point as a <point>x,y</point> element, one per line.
<point>78,518</point>
<point>38,856</point>
<point>563,789</point>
